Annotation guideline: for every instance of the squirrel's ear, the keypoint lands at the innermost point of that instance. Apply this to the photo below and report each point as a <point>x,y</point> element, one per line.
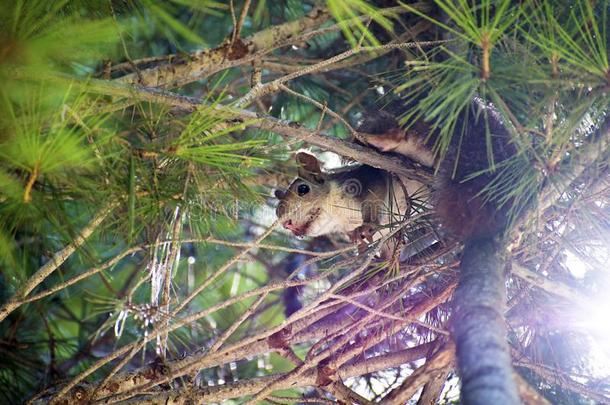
<point>309,166</point>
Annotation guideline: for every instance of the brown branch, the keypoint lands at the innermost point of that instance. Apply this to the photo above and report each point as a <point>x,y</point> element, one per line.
<point>221,271</point>
<point>321,106</point>
<point>345,395</point>
<point>53,264</point>
<point>240,22</point>
<point>323,297</point>
<point>271,247</point>
<point>418,28</point>
<point>94,270</point>
<point>184,70</point>
<point>436,364</point>
<point>354,350</point>
<point>433,389</point>
<point>312,361</point>
<point>350,150</point>
<point>234,20</point>
<point>382,314</point>
<point>237,323</point>
<point>291,400</point>
<point>275,85</point>
<point>551,375</point>
<point>131,380</point>
<point>582,160</point>
<point>287,129</point>
<point>528,394</point>
<point>309,328</point>
<point>251,386</point>
<point>486,50</point>
<point>27,193</point>
<point>247,348</point>
<point>82,276</point>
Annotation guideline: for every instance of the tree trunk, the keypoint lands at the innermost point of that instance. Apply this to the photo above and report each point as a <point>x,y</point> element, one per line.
<point>484,362</point>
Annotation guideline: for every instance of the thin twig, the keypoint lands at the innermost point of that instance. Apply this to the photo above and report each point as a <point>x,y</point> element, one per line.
<point>53,264</point>
<point>383,314</point>
<point>81,276</point>
<point>273,86</point>
<point>221,270</point>
<point>321,106</point>
<point>326,295</point>
<point>297,315</point>
<point>438,362</point>
<point>234,20</point>
<point>237,323</point>
<point>271,247</point>
<point>243,388</point>
<point>240,22</point>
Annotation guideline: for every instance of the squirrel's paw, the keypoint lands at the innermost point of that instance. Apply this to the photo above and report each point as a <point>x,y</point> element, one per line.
<point>362,236</point>
<point>386,142</point>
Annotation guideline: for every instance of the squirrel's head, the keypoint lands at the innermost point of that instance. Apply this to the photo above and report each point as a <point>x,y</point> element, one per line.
<point>302,207</point>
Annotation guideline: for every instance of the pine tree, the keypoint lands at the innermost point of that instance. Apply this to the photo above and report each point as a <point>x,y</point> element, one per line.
<point>140,259</point>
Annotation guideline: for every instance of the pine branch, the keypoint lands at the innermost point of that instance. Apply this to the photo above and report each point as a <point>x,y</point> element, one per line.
<point>308,328</point>
<point>433,389</point>
<point>350,150</point>
<point>303,312</point>
<point>183,70</point>
<point>586,156</point>
<point>528,394</point>
<point>237,323</point>
<point>108,387</point>
<point>53,264</point>
<point>345,395</point>
<point>197,65</point>
<point>315,359</point>
<point>82,276</point>
<point>115,260</point>
<point>287,129</point>
<point>555,186</point>
<point>240,23</point>
<point>555,376</point>
<point>251,386</point>
<point>354,350</point>
<point>434,365</point>
<point>276,85</point>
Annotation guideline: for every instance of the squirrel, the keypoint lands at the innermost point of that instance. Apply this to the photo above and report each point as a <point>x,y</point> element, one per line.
<point>355,200</point>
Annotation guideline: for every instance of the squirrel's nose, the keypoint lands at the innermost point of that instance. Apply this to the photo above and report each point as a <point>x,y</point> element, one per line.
<point>288,224</point>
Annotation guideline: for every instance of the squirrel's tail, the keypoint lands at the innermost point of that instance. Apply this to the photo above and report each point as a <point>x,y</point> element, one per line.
<point>480,144</point>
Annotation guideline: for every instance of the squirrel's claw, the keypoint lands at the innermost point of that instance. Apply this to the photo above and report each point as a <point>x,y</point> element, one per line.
<point>363,235</point>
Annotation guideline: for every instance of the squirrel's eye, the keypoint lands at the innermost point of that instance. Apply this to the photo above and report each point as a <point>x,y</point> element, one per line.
<point>303,189</point>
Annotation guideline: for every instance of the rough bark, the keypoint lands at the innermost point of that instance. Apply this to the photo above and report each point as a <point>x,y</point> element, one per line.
<point>436,364</point>
<point>484,362</point>
<point>433,388</point>
<point>182,71</point>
